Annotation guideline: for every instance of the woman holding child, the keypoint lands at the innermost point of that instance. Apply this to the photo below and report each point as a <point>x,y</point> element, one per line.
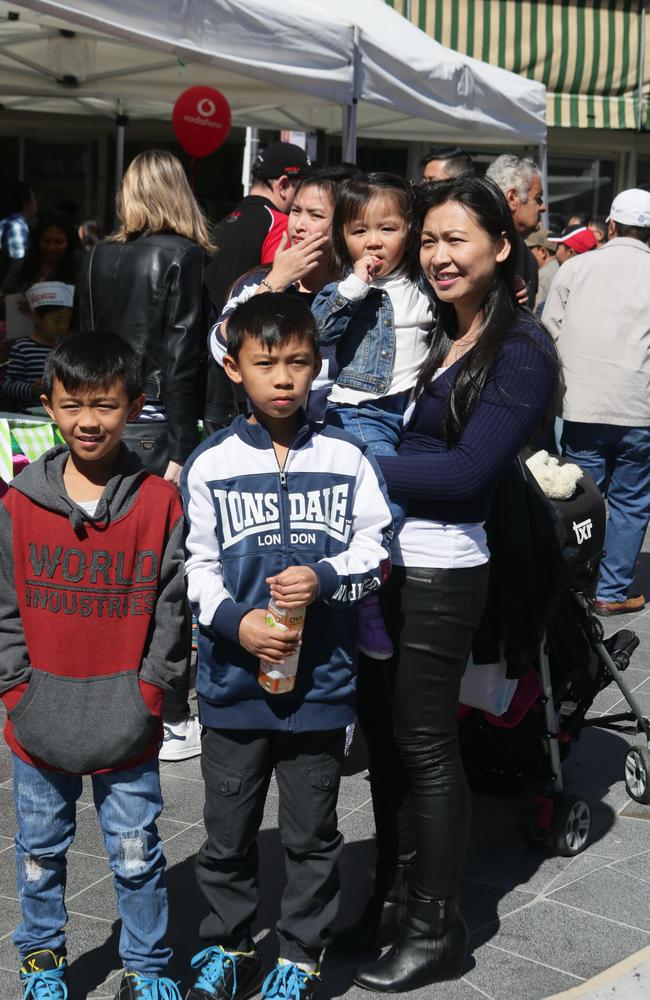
<point>483,389</point>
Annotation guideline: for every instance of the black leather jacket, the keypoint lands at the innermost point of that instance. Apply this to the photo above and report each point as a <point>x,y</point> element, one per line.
<point>149,292</point>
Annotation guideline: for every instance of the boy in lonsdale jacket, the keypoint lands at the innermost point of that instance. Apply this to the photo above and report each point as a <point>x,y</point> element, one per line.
<point>277,507</point>
<point>92,632</point>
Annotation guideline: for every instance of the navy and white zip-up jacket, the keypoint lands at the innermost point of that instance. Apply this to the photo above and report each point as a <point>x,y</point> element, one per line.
<point>249,520</point>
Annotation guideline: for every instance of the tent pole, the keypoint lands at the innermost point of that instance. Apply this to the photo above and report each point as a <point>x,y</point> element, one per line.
<point>349,129</point>
<point>543,166</point>
<point>349,143</point>
<point>121,122</point>
<point>250,152</point>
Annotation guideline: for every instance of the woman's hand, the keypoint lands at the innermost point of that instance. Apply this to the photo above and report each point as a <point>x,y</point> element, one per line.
<point>294,587</point>
<point>260,639</point>
<point>173,473</point>
<point>292,263</point>
<point>366,267</point>
<point>521,291</point>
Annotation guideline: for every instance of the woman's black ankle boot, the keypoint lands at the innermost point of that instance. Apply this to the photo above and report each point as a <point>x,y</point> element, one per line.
<point>382,915</point>
<point>430,947</point>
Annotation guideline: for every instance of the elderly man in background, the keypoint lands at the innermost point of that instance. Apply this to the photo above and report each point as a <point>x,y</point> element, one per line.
<point>521,182</point>
<point>598,311</point>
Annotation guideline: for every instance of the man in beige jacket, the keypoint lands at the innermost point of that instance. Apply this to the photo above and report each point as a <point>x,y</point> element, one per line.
<point>598,311</point>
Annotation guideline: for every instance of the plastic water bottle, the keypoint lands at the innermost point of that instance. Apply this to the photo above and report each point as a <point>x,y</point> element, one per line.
<point>278,678</point>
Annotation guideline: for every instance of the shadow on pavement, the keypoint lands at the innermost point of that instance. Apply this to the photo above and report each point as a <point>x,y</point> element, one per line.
<point>498,863</point>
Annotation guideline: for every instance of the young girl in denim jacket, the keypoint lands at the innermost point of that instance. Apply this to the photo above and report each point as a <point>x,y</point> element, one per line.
<point>380,322</point>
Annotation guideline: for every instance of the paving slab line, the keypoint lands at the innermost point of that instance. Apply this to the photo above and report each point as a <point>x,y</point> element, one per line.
<point>627,980</point>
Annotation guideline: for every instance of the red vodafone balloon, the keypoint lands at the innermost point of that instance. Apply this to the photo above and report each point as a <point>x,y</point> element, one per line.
<point>201,120</point>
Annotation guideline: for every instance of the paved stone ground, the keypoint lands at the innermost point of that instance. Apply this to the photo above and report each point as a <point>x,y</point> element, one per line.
<point>540,923</point>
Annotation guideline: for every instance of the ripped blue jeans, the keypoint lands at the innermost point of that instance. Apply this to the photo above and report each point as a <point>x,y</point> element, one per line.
<point>128,804</point>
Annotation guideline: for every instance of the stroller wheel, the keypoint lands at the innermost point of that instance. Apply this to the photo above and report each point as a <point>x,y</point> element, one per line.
<point>571,825</point>
<point>536,812</point>
<point>637,774</point>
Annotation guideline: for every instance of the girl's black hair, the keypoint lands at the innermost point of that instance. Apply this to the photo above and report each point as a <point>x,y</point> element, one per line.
<point>489,209</point>
<point>271,319</point>
<point>85,362</point>
<point>352,198</point>
<point>66,268</point>
<point>329,178</point>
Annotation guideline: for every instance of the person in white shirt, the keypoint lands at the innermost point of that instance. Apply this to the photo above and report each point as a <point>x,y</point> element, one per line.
<point>598,311</point>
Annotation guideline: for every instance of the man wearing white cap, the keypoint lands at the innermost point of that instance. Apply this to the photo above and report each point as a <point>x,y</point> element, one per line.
<point>598,311</point>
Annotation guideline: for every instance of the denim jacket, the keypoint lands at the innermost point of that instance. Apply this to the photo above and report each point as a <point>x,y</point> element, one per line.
<point>363,332</point>
<point>364,357</point>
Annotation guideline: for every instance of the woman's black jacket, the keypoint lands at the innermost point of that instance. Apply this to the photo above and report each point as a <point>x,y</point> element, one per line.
<point>149,291</point>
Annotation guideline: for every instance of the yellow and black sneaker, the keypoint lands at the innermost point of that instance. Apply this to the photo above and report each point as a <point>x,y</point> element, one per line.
<point>44,974</point>
<point>135,986</point>
<point>226,975</point>
<point>291,982</point>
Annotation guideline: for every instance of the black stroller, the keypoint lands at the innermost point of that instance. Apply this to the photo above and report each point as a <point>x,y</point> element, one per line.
<point>571,663</point>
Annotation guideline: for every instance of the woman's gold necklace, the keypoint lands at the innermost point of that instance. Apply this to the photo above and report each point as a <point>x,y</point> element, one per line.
<point>460,347</point>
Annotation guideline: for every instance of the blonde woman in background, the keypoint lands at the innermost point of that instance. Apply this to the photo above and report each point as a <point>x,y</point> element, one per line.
<point>144,283</point>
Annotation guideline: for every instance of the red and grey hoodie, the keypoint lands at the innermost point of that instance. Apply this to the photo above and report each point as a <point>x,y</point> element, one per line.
<point>93,621</point>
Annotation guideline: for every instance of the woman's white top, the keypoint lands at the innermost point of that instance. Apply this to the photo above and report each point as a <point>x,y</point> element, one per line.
<point>435,545</point>
<point>412,316</point>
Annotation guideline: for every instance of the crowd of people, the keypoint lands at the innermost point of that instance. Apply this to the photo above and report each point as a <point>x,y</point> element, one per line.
<point>308,406</point>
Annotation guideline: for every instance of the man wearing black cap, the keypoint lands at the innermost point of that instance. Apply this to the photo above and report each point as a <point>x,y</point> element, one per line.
<point>249,236</point>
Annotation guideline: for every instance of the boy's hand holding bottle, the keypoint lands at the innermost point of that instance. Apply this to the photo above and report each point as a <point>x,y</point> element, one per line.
<point>274,635</point>
<point>294,587</point>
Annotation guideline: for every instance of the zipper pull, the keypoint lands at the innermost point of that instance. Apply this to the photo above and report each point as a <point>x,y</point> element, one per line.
<point>283,479</point>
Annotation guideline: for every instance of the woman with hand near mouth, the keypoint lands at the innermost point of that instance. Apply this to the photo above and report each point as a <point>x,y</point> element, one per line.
<point>483,389</point>
<point>305,265</point>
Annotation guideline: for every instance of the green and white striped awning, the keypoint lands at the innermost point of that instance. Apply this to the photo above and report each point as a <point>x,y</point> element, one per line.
<point>586,52</point>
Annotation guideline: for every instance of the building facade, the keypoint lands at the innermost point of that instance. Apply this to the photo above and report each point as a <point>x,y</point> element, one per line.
<point>593,56</point>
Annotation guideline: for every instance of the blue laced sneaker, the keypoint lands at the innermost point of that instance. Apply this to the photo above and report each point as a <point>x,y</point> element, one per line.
<point>289,982</point>
<point>226,975</point>
<point>44,976</point>
<point>136,987</point>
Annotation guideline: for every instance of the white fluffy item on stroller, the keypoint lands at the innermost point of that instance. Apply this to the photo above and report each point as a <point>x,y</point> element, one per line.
<point>540,618</point>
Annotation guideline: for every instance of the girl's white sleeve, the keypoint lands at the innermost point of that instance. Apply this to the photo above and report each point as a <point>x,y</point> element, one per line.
<point>217,336</point>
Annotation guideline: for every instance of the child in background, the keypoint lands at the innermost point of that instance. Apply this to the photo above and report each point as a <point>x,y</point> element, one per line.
<point>380,321</point>
<point>281,507</point>
<point>50,306</point>
<point>92,633</point>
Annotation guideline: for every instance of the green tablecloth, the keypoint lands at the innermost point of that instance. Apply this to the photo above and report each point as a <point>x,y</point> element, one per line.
<point>27,435</point>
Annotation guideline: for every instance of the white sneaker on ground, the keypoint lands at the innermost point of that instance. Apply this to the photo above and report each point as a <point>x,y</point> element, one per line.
<point>182,740</point>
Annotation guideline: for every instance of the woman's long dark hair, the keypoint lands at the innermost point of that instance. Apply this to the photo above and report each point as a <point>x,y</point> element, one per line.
<point>489,208</point>
<point>354,195</point>
<point>66,268</point>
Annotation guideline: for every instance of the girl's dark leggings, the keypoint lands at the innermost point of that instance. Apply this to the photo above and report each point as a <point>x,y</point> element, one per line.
<point>407,711</point>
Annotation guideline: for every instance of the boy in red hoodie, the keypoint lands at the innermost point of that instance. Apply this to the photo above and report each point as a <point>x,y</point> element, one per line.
<point>92,632</point>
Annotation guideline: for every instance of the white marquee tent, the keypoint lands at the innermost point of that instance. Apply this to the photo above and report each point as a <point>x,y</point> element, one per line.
<point>358,68</point>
